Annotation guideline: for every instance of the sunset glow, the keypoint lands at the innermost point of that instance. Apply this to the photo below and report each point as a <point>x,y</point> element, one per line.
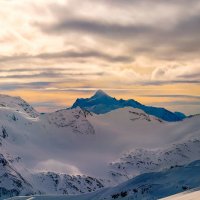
<point>53,52</point>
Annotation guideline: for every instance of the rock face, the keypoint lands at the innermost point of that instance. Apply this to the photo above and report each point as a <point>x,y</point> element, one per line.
<point>101,103</point>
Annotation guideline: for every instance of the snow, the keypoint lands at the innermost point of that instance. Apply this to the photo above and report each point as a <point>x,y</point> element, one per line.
<point>101,103</point>
<point>149,186</point>
<point>73,151</point>
<point>17,104</point>
<point>150,160</point>
<point>190,195</point>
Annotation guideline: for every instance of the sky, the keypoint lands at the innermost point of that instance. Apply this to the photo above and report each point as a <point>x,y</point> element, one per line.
<point>52,52</point>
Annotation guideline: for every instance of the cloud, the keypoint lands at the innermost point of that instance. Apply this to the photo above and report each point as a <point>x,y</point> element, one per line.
<point>179,103</point>
<point>36,75</point>
<point>57,166</point>
<point>170,82</point>
<point>36,69</point>
<point>130,23</point>
<point>173,96</point>
<point>195,75</point>
<point>111,30</point>
<point>68,55</point>
<point>51,74</point>
<point>136,2</point>
<point>175,38</point>
<point>176,74</point>
<point>29,85</point>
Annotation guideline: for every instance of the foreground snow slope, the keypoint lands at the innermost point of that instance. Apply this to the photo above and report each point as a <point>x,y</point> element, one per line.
<point>190,195</point>
<point>149,186</point>
<point>75,151</point>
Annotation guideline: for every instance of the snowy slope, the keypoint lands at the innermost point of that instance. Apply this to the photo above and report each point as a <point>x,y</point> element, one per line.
<point>149,186</point>
<point>57,183</point>
<point>191,194</point>
<point>24,144</point>
<point>101,103</point>
<point>17,104</point>
<point>12,182</point>
<point>150,160</point>
<point>69,151</point>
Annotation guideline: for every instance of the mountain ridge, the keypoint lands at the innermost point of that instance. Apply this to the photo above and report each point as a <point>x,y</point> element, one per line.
<point>17,104</point>
<point>149,186</point>
<point>101,103</point>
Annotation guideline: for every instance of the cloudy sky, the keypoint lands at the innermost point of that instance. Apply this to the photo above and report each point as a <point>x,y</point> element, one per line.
<point>53,51</point>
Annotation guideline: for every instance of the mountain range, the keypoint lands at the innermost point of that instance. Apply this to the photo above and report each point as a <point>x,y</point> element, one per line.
<point>101,103</point>
<point>149,186</point>
<point>122,154</point>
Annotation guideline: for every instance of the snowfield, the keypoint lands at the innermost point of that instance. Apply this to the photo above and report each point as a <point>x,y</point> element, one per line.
<point>183,196</point>
<point>74,151</point>
<point>190,195</point>
<point>146,186</point>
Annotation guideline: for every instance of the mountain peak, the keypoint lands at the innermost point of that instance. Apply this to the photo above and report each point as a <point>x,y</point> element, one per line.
<point>100,93</point>
<point>18,104</point>
<point>101,103</point>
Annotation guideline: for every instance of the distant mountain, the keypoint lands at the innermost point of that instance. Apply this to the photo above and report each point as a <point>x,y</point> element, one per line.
<point>101,103</point>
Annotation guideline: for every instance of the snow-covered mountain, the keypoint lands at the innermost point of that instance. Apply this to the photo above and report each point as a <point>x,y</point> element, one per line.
<point>156,185</point>
<point>149,186</point>
<point>17,104</point>
<point>74,151</point>
<point>150,160</point>
<point>101,103</point>
<point>11,181</point>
